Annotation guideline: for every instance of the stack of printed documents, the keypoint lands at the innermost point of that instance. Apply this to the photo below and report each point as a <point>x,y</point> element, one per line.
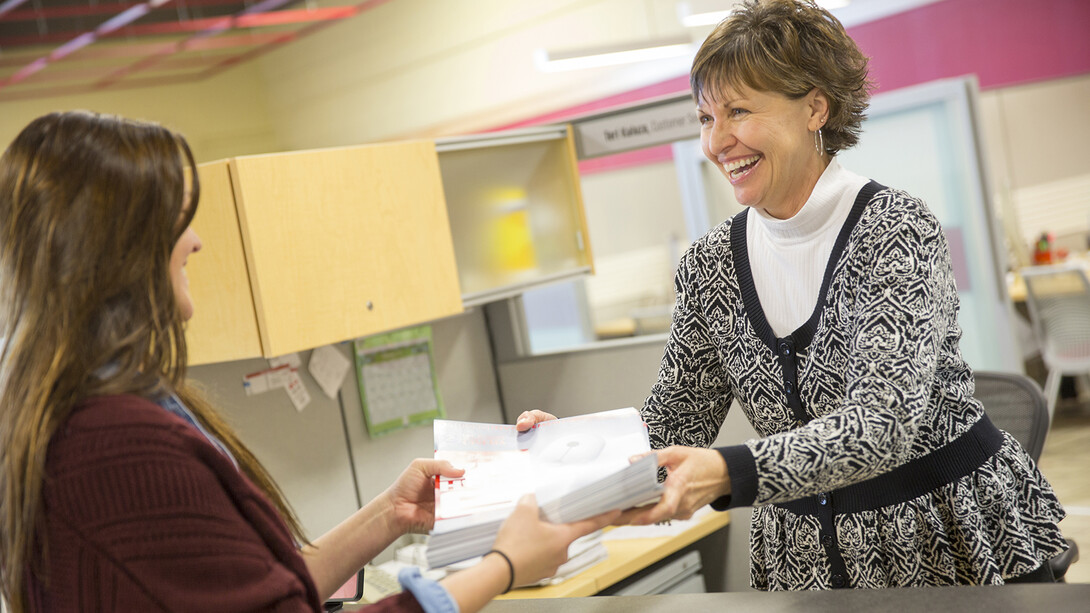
<point>577,467</point>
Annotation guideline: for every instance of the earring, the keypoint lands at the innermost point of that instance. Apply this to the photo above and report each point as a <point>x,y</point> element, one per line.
<point>819,142</point>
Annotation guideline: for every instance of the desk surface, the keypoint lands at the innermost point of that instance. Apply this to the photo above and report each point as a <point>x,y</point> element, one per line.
<point>626,557</point>
<point>1025,598</point>
<point>1016,285</point>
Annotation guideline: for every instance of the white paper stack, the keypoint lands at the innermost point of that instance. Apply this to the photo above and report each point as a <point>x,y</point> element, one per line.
<point>633,486</point>
<point>583,553</point>
<point>464,538</point>
<point>577,467</point>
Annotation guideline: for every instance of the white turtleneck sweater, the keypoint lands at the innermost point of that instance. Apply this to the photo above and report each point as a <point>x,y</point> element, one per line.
<point>788,256</point>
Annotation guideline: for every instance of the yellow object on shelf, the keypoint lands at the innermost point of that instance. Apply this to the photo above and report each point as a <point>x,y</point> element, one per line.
<point>510,245</point>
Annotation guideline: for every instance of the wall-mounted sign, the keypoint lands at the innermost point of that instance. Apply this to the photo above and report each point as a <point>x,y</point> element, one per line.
<point>656,123</point>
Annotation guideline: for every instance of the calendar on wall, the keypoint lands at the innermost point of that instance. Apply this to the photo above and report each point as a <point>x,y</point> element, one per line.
<point>398,385</point>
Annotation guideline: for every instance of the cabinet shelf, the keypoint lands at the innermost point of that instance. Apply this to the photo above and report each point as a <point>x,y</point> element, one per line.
<point>516,210</point>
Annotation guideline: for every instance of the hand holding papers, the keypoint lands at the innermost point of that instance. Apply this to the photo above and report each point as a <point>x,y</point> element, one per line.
<point>578,467</point>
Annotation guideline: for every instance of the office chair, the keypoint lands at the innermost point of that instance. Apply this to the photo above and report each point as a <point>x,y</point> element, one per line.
<point>1016,404</point>
<point>1058,298</point>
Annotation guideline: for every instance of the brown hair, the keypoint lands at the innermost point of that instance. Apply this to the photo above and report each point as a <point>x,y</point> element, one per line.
<point>788,47</point>
<point>90,209</point>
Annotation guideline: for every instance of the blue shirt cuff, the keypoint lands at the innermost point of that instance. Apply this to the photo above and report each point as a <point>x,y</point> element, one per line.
<point>742,470</point>
<point>433,598</point>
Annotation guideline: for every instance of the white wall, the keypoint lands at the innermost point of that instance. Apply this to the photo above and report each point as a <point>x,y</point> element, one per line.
<point>1036,139</point>
<point>427,67</point>
<point>637,228</point>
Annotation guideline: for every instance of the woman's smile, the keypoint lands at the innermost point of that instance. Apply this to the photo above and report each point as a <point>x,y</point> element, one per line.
<point>739,169</point>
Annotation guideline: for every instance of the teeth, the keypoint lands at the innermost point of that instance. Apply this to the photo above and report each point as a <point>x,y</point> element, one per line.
<point>736,164</point>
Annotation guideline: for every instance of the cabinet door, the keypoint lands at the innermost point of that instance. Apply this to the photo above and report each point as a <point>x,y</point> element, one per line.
<point>223,326</point>
<point>342,243</point>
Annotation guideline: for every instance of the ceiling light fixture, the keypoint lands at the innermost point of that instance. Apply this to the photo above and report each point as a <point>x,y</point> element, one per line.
<point>557,61</point>
<point>695,19</point>
<point>692,16</point>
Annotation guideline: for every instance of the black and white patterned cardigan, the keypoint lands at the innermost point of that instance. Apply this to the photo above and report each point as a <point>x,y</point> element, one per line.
<point>874,379</point>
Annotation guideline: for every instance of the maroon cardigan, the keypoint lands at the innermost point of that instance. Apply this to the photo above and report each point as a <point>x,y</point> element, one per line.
<point>142,513</point>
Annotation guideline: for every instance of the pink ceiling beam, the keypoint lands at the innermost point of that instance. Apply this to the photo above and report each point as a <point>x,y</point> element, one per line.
<point>206,39</point>
<point>366,5</point>
<point>8,6</point>
<point>222,23</point>
<point>112,24</point>
<point>219,26</point>
<point>276,18</point>
<point>84,10</point>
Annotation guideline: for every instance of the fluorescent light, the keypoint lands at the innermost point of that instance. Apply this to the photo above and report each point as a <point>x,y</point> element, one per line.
<point>692,17</point>
<point>697,13</point>
<point>704,19</point>
<point>548,61</point>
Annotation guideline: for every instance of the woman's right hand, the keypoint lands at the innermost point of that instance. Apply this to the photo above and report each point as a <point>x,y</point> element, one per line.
<point>529,419</point>
<point>536,546</point>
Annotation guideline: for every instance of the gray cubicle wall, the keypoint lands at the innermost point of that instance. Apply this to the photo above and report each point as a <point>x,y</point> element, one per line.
<point>308,452</point>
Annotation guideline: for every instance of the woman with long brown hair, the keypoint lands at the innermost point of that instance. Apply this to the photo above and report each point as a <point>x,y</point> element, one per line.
<point>120,486</point>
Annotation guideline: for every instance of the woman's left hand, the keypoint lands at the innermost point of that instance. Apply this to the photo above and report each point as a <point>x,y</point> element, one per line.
<point>412,496</point>
<point>694,477</point>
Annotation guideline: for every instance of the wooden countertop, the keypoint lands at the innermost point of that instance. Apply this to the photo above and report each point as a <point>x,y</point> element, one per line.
<point>626,557</point>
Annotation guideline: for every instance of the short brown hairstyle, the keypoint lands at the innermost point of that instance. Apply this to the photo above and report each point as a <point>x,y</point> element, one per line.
<point>789,47</point>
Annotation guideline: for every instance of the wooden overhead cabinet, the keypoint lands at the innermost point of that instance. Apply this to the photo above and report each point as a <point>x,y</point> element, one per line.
<point>223,326</point>
<point>336,244</point>
<point>307,248</point>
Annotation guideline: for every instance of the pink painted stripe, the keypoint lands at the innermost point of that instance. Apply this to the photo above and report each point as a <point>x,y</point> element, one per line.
<point>1003,42</point>
<point>628,159</point>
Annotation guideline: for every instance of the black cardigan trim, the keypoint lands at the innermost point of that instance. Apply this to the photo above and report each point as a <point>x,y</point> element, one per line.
<point>802,336</point>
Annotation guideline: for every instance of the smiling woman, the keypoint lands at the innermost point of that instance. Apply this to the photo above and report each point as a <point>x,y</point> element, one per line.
<point>827,309</point>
